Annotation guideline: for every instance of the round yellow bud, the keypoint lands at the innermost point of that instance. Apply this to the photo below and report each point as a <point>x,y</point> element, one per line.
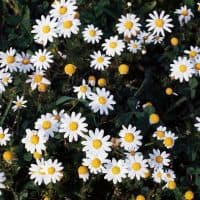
<point>70,69</point>
<point>123,69</point>
<point>42,87</point>
<point>8,156</point>
<point>102,82</point>
<point>169,91</point>
<point>140,197</point>
<point>37,155</point>
<point>174,41</point>
<point>171,185</point>
<point>189,195</point>
<point>154,118</point>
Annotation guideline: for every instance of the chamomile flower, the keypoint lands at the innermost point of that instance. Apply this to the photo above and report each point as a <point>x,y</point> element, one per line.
<point>130,137</point>
<point>34,141</point>
<point>47,124</point>
<point>197,125</point>
<point>96,142</point>
<point>158,159</point>
<point>158,175</point>
<point>83,90</point>
<point>169,175</point>
<point>58,115</point>
<point>159,134</point>
<point>73,125</point>
<point>45,29</point>
<point>42,59</point>
<point>83,173</point>
<point>128,25</point>
<point>92,34</point>
<point>134,46</point>
<point>101,101</point>
<point>2,180</point>
<point>157,39</point>
<point>62,8</point>
<point>137,166</point>
<point>145,37</point>
<point>19,103</point>
<point>8,60</point>
<point>185,14</point>
<point>115,170</point>
<point>4,136</point>
<point>24,62</point>
<point>182,69</point>
<point>99,61</point>
<point>113,46</point>
<point>53,170</point>
<point>5,79</point>
<point>68,26</point>
<point>196,64</point>
<point>95,162</point>
<point>37,78</point>
<point>159,23</point>
<point>193,52</point>
<point>169,139</point>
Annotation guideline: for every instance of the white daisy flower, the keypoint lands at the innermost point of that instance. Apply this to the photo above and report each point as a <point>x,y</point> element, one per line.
<point>83,173</point>
<point>2,180</point>
<point>132,153</point>
<point>73,125</point>
<point>24,62</point>
<point>37,78</point>
<point>45,29</point>
<point>115,170</point>
<point>159,23</point>
<point>19,103</point>
<point>134,46</point>
<point>101,101</point>
<point>47,124</point>
<point>95,162</point>
<point>196,64</point>
<point>58,115</point>
<point>185,14</point>
<point>99,61</point>
<point>182,69</point>
<point>130,138</point>
<point>158,159</point>
<point>128,25</point>
<point>4,136</point>
<point>157,39</point>
<point>158,175</point>
<point>8,60</point>
<point>53,170</point>
<point>34,141</point>
<point>92,34</point>
<point>197,125</point>
<point>113,46</point>
<point>42,59</point>
<point>145,37</point>
<point>96,142</point>
<point>193,52</point>
<point>5,79</point>
<point>62,8</point>
<point>169,139</point>
<point>68,26</point>
<point>83,90</point>
<point>137,166</point>
<point>159,134</point>
<point>169,175</point>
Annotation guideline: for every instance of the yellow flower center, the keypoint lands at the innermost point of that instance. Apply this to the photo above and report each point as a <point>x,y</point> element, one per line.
<point>8,156</point>
<point>57,117</point>
<point>168,142</point>
<point>2,136</point>
<point>159,175</point>
<point>83,88</point>
<point>129,137</point>
<point>154,118</point>
<point>113,45</point>
<point>5,79</point>
<point>62,10</point>
<point>160,134</point>
<point>25,61</point>
<point>46,29</point>
<point>102,100</point>
<point>70,69</point>
<point>134,46</point>
<point>35,139</point>
<point>92,33</point>
<point>51,170</point>
<point>184,13</point>
<point>42,58</point>
<point>159,23</point>
<point>192,54</point>
<point>115,170</point>
<point>73,126</point>
<point>19,104</point>
<point>159,159</point>
<point>83,170</point>
<point>136,166</point>
<point>46,124</point>
<point>182,68</point>
<point>128,25</point>
<point>10,59</point>
<point>100,59</point>
<point>197,66</point>
<point>140,197</point>
<point>37,78</point>
<point>67,24</point>
<point>37,155</point>
<point>96,143</point>
<point>96,163</point>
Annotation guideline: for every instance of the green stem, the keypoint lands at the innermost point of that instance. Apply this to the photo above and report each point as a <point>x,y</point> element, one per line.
<point>6,112</point>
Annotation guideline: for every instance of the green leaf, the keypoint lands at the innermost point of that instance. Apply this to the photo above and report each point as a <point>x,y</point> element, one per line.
<point>63,99</point>
<point>27,157</point>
